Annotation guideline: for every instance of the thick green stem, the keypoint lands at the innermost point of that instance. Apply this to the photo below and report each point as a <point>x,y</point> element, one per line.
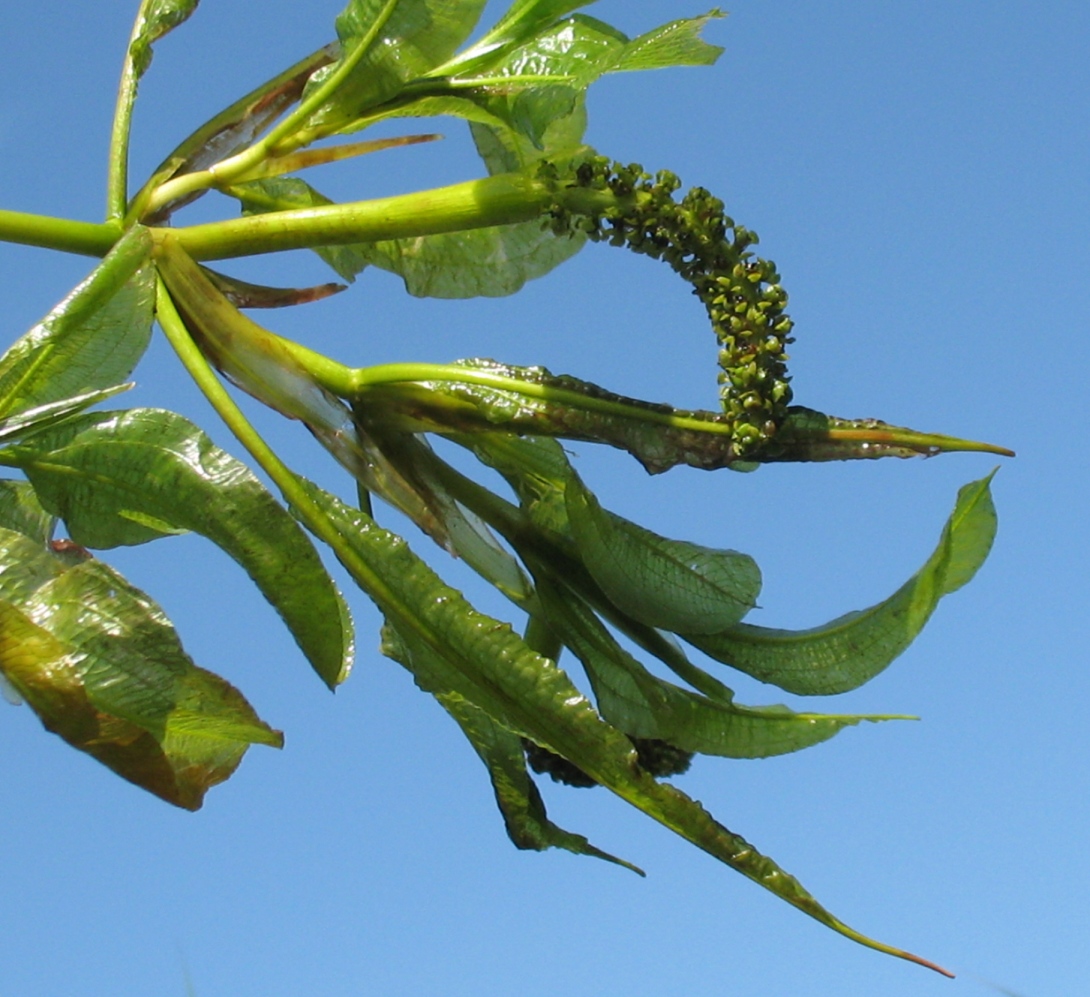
<point>64,234</point>
<point>499,200</point>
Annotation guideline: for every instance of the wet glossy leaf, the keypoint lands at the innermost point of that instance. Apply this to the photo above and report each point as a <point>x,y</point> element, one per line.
<point>21,511</point>
<point>520,803</point>
<point>41,417</point>
<point>412,37</point>
<point>102,667</point>
<point>675,44</point>
<point>645,706</point>
<point>91,340</point>
<point>853,648</point>
<point>485,663</point>
<point>128,477</point>
<point>670,584</point>
<point>522,20</point>
<point>159,18</point>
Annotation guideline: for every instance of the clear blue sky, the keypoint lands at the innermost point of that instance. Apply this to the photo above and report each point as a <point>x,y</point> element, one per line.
<point>919,171</point>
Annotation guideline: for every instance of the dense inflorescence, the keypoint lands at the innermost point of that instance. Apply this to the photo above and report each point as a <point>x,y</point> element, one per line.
<point>740,291</point>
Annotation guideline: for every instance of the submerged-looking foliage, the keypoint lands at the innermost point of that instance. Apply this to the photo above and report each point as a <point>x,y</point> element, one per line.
<point>101,665</point>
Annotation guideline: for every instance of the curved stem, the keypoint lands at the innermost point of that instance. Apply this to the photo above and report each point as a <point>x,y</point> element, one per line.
<point>290,486</point>
<point>117,180</point>
<point>279,139</point>
<point>242,121</point>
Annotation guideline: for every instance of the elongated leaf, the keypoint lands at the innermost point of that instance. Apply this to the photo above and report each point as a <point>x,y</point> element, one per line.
<point>159,18</point>
<point>670,584</point>
<point>469,536</point>
<point>853,648</point>
<point>43,416</point>
<point>645,706</point>
<point>491,668</point>
<point>102,667</point>
<point>536,468</point>
<point>520,803</point>
<point>412,37</point>
<point>21,512</point>
<point>91,340</point>
<point>675,44</point>
<point>128,477</point>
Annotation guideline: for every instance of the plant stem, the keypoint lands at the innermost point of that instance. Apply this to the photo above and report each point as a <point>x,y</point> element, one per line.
<point>498,200</point>
<point>64,234</point>
<point>242,121</point>
<point>292,489</point>
<point>117,179</point>
<point>282,138</point>
<point>364,378</point>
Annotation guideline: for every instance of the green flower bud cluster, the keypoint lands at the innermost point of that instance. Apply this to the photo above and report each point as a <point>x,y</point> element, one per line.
<point>741,292</point>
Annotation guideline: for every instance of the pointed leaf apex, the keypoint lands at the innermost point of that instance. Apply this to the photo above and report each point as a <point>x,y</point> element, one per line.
<point>807,435</point>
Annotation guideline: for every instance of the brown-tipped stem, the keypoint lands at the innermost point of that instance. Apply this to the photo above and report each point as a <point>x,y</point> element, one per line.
<point>295,161</point>
<point>807,435</point>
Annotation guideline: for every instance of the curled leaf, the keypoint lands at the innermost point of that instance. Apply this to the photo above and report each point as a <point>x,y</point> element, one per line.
<point>120,478</point>
<point>91,340</point>
<point>853,648</point>
<point>158,18</point>
<point>520,803</point>
<point>645,706</point>
<point>670,584</point>
<point>101,665</point>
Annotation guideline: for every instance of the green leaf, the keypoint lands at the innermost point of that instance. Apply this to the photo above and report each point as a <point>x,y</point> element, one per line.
<point>387,43</point>
<point>489,262</point>
<point>21,511</point>
<point>675,44</point>
<point>92,339</point>
<point>129,477</point>
<point>102,667</point>
<point>645,706</point>
<point>523,20</point>
<point>489,666</point>
<point>669,584</point>
<point>536,468</point>
<point>532,72</point>
<point>520,803</point>
<point>852,649</point>
<point>41,417</point>
<point>536,89</point>
<point>158,18</point>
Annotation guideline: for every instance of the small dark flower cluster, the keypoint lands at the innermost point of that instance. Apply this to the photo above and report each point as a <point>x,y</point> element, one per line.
<point>657,758</point>
<point>741,292</point>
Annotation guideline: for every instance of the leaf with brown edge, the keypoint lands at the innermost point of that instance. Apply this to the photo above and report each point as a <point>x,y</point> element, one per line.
<point>102,667</point>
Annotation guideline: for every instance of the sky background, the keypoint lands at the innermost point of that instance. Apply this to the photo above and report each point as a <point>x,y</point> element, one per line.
<point>919,172</point>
